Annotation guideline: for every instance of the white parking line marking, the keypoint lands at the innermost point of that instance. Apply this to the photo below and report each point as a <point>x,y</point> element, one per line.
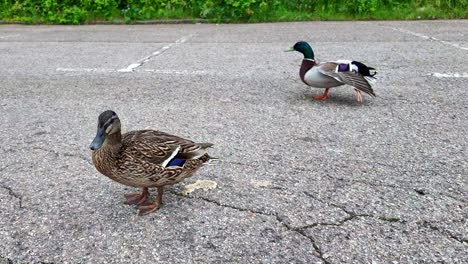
<point>450,75</point>
<point>429,38</point>
<point>178,72</point>
<point>142,61</point>
<point>84,70</point>
<point>9,36</point>
<point>157,71</point>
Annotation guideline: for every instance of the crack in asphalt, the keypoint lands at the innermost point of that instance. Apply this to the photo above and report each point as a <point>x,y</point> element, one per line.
<point>338,223</point>
<point>13,194</point>
<point>444,232</point>
<point>314,244</point>
<point>278,218</point>
<point>353,215</point>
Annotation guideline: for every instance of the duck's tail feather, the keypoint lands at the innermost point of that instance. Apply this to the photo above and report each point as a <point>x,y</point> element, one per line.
<point>205,145</point>
<point>370,79</point>
<point>209,160</point>
<point>364,70</point>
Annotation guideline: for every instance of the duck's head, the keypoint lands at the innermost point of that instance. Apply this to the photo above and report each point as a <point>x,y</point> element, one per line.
<point>304,48</point>
<point>108,124</point>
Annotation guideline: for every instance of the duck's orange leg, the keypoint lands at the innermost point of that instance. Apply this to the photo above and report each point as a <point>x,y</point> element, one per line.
<point>149,207</point>
<point>324,96</point>
<point>137,198</point>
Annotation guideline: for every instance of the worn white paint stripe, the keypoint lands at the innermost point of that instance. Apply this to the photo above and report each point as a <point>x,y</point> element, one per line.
<point>142,61</point>
<point>84,70</point>
<point>9,36</point>
<point>178,72</point>
<point>429,38</point>
<point>157,71</point>
<point>450,75</point>
<point>456,45</point>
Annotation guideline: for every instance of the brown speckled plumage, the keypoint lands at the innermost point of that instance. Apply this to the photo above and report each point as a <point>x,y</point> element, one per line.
<point>141,158</point>
<point>136,159</point>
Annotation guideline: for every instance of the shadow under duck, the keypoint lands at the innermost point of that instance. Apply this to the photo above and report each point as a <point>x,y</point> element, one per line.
<point>144,159</point>
<point>334,73</point>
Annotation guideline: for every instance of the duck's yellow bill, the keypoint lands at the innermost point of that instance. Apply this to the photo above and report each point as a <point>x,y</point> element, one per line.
<point>290,49</point>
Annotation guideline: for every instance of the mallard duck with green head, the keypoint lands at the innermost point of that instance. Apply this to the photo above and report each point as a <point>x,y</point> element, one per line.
<point>335,73</point>
<point>144,159</point>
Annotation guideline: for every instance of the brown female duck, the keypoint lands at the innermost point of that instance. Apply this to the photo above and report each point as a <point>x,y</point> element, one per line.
<point>144,159</point>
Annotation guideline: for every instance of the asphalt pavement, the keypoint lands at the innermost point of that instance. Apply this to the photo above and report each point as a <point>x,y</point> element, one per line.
<point>299,181</point>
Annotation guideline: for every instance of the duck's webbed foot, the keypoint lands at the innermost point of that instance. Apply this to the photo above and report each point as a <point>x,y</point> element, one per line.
<point>148,207</point>
<point>137,198</point>
<point>358,96</point>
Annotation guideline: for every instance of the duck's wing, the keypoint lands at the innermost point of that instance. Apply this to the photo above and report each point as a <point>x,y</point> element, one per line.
<point>160,148</point>
<point>188,148</point>
<point>344,72</point>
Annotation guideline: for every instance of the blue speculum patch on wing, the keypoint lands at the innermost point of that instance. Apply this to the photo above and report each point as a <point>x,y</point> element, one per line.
<point>343,67</point>
<point>176,162</point>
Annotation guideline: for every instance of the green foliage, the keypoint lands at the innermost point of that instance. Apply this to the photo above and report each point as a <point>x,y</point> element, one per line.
<point>88,11</point>
<point>57,11</point>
